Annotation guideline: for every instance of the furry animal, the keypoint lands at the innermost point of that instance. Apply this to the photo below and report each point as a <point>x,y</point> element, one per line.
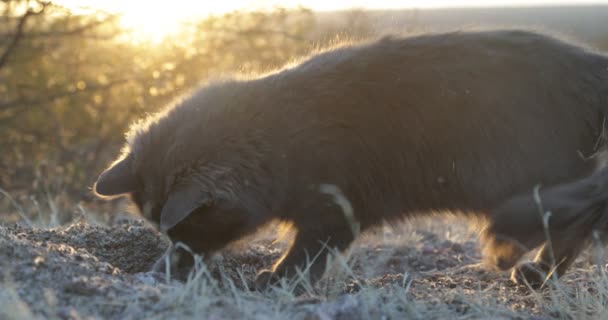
<point>467,122</point>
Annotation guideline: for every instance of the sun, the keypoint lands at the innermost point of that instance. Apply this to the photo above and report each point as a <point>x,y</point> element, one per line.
<point>152,22</point>
<point>156,20</point>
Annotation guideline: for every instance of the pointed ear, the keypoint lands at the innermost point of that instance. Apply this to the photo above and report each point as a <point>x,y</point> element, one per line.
<point>117,179</point>
<point>181,203</point>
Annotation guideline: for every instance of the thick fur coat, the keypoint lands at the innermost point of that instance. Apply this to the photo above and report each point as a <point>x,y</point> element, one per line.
<point>466,121</point>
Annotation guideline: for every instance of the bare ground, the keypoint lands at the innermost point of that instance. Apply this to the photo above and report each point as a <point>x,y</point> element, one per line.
<point>425,270</point>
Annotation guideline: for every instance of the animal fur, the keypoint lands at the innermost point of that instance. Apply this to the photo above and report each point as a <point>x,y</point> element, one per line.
<point>465,121</point>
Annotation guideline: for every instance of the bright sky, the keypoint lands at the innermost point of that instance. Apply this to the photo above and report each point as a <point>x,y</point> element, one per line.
<point>155,19</point>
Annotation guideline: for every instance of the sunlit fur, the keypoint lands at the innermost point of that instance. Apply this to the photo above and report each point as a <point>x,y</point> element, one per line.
<point>460,121</point>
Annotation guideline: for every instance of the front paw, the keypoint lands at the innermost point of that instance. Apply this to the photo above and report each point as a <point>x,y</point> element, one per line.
<point>264,279</point>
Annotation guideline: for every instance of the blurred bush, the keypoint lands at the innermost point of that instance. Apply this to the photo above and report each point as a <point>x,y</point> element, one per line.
<point>72,82</point>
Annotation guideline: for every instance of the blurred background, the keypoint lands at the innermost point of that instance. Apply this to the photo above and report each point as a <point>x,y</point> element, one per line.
<point>74,74</point>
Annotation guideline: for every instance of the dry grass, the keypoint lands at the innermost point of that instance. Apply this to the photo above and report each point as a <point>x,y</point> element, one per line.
<point>424,269</point>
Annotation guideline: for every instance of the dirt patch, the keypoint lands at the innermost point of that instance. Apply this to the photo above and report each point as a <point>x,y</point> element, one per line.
<point>59,272</point>
<point>129,246</point>
<point>83,271</point>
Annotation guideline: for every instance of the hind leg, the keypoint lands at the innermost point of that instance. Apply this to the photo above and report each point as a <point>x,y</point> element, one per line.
<point>514,229</point>
<point>554,259</point>
<point>504,253</point>
<point>567,212</point>
<point>501,251</point>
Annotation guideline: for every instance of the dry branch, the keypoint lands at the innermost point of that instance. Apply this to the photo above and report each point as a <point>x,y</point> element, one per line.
<point>19,31</point>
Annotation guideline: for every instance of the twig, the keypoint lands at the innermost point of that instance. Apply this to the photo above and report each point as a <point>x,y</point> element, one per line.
<point>19,32</point>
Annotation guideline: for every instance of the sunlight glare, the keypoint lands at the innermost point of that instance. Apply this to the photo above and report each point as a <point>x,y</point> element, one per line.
<point>151,22</point>
<point>155,20</point>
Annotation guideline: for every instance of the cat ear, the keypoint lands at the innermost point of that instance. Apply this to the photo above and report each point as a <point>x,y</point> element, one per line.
<point>117,179</point>
<point>181,203</point>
